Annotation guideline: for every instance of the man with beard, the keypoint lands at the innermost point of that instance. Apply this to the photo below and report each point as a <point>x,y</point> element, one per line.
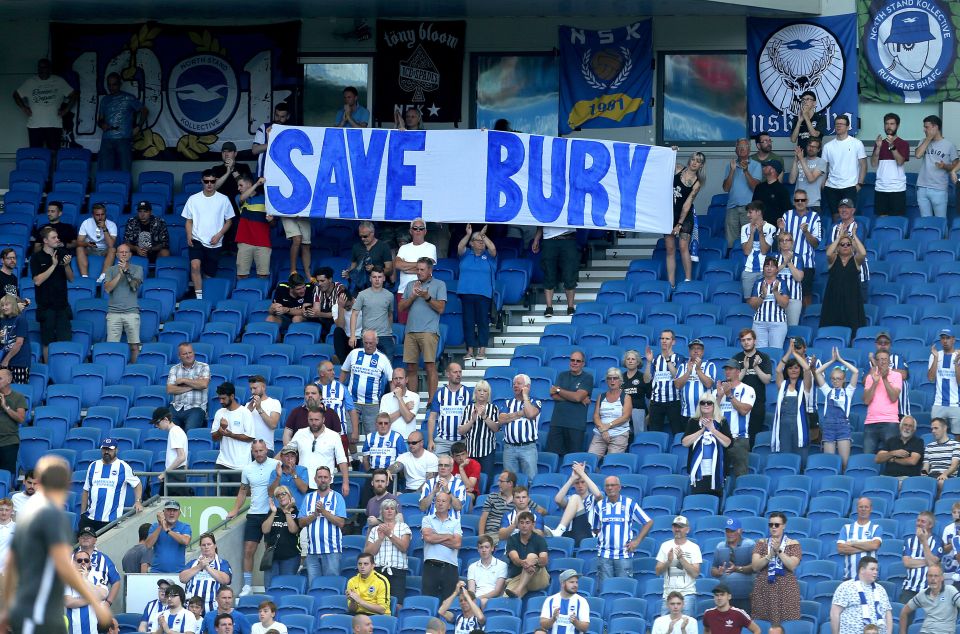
<point>889,154</point>
<point>756,370</point>
<point>147,234</point>
<point>902,455</point>
<point>323,514</point>
<point>20,498</point>
<point>320,447</point>
<point>101,501</point>
<point>291,475</point>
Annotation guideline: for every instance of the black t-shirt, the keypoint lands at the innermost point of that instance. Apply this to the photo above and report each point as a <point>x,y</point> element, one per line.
<point>819,122</point>
<point>751,378</point>
<point>379,254</point>
<point>283,297</point>
<point>636,389</point>
<point>536,544</point>
<point>9,284</point>
<point>914,445</point>
<point>66,233</point>
<point>287,543</point>
<point>39,588</point>
<point>693,425</point>
<point>775,198</point>
<point>52,293</point>
<point>229,187</point>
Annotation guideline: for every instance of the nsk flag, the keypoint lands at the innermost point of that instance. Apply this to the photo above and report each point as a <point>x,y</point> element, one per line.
<point>469,176</point>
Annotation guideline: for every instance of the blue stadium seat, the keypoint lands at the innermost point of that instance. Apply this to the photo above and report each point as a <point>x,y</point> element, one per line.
<point>34,443</point>
<point>921,487</point>
<point>625,314</point>
<point>91,378</point>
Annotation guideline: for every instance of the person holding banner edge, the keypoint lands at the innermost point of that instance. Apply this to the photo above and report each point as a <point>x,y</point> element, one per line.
<point>687,181</point>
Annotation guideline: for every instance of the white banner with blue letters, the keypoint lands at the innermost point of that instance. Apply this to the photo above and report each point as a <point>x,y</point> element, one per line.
<point>477,176</point>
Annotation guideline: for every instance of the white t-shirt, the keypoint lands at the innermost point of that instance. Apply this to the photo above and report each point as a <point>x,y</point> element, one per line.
<point>176,439</point>
<point>325,450</point>
<point>234,454</point>
<point>411,252</point>
<point>486,577</point>
<point>676,578</point>
<point>347,315</point>
<point>416,469</point>
<point>270,406</point>
<point>44,97</point>
<point>209,214</point>
<point>19,499</point>
<point>843,160</point>
<point>257,628</point>
<point>574,606</point>
<point>88,231</point>
<point>389,404</point>
<point>661,625</point>
<point>6,536</point>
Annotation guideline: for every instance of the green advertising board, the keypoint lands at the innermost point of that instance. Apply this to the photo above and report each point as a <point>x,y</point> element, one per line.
<point>203,513</point>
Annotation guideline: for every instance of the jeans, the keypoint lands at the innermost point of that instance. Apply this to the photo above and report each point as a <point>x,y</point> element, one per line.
<point>770,334</point>
<point>368,416</point>
<point>610,568</point>
<point>281,567</point>
<point>790,442</point>
<point>115,154</point>
<point>387,346</point>
<point>689,605</point>
<point>748,281</point>
<point>876,435</point>
<point>322,565</point>
<point>932,202</point>
<point>476,320</point>
<point>189,418</point>
<point>521,459</point>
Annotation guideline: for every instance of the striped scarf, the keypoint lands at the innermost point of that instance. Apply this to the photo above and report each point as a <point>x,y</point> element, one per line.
<point>803,434</point>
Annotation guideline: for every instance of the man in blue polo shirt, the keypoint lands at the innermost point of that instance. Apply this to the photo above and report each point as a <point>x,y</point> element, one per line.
<point>169,538</point>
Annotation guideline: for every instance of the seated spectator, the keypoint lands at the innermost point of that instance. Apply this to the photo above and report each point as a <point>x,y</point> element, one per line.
<point>940,603</point>
<point>791,275</point>
<point>253,228</point>
<point>10,276</point>
<point>136,559</point>
<point>943,370</point>
<point>20,498</point>
<point>289,301</point>
<point>466,468</point>
<point>319,305</point>
<point>736,400</point>
<point>486,577</point>
<point>343,333</point>
<point>920,551</point>
<point>364,372</point>
<point>902,455</point>
<point>373,311</point>
<point>520,421</point>
<point>707,439</point>
<point>679,560</point>
<point>444,482</point>
<point>352,114</point>
<point>724,616</point>
<point>837,399</point>
<point>400,404</point>
<point>176,618</point>
<point>497,504</point>
<point>365,256</point>
<point>362,624</point>
<point>613,519</point>
<point>941,458</point>
<point>195,607</point>
<point>146,234</point>
<point>527,552</point>
<point>732,562</point>
<point>424,299</point>
<point>776,593</point>
<point>267,614</point>
<point>565,611</point>
<point>674,620</point>
<point>148,622</point>
<point>282,531</point>
<point>187,382</point>
<point>471,616</point>
<point>411,120</point>
<point>510,523</point>
<point>65,231</point>
<point>447,411</point>
<point>97,236</point>
<point>204,575</point>
<point>791,432</point>
<point>769,298</point>
<point>881,393</point>
<point>387,543</point>
<point>478,268</point>
<point>611,418</point>
<point>417,464</point>
<point>861,601</point>
<point>951,546</point>
<point>478,428</point>
<point>859,539</point>
<point>368,592</point>
<point>224,611</point>
<point>756,240</point>
<point>843,298</point>
<point>575,521</point>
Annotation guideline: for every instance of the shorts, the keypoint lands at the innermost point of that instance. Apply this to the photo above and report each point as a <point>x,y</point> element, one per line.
<point>560,261</point>
<point>119,323</point>
<point>209,258</point>
<point>890,203</point>
<point>93,250</point>
<point>252,531</point>
<point>293,227</point>
<point>54,324</point>
<point>835,429</point>
<point>420,343</point>
<point>248,254</point>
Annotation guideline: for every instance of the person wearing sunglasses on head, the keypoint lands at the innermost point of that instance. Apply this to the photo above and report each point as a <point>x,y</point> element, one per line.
<point>843,299</point>
<point>707,438</point>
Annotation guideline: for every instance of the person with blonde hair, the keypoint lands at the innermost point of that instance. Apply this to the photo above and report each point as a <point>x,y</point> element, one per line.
<point>14,340</point>
<point>687,181</point>
<point>479,425</point>
<point>707,437</point>
<point>612,417</point>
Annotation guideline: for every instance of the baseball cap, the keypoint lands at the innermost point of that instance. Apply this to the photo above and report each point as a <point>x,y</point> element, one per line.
<point>230,146</point>
<point>732,363</point>
<point>569,573</point>
<point>883,333</point>
<point>945,332</point>
<point>732,524</point>
<point>291,448</point>
<point>159,414</point>
<point>680,520</point>
<point>721,588</point>
<point>164,582</point>
<point>86,531</point>
<point>774,163</point>
<point>171,504</point>
<point>845,202</point>
<point>108,443</point>
<point>696,342</point>
<point>145,204</point>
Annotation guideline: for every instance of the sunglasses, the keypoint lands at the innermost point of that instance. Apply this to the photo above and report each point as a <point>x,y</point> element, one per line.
<point>419,228</point>
<point>774,525</point>
<point>710,403</point>
<point>83,561</point>
<point>209,181</point>
<point>799,200</point>
<point>576,360</point>
<point>414,442</point>
<point>846,244</point>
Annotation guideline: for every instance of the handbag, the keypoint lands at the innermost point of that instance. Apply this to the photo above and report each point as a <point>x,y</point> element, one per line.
<point>266,562</point>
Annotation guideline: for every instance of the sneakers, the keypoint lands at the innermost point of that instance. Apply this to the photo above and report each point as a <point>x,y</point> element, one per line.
<point>246,591</point>
<point>548,311</point>
<point>102,277</point>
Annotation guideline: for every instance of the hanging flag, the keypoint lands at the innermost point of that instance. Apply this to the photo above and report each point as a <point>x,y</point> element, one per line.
<point>606,77</point>
<point>908,51</point>
<point>786,58</point>
<point>419,65</point>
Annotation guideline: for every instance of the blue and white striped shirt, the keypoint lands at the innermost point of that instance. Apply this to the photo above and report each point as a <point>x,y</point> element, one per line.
<point>946,380</point>
<point>203,584</point>
<point>903,405</point>
<point>457,489</point>
<point>184,621</point>
<point>794,288</point>
<point>739,423</point>
<point>857,532</point>
<point>769,310</point>
<point>82,620</point>
<point>382,449</point>
<point>104,484</point>
<point>323,537</point>
<point>754,261</point>
<point>336,396</point>
<point>104,567</point>
<point>916,580</point>
<point>447,407</point>
<point>150,613</point>
<point>865,267</point>
<point>804,250</point>
<point>614,524</point>
<point>576,606</point>
<point>523,430</point>
<point>691,391</point>
<point>368,374</point>
<point>841,397</point>
<point>664,391</point>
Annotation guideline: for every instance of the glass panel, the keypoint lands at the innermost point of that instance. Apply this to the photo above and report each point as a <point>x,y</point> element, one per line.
<point>519,88</point>
<point>323,89</point>
<point>704,97</point>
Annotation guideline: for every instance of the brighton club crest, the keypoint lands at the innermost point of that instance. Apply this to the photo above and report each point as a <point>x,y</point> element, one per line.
<point>797,58</point>
<point>607,68</point>
<point>418,74</point>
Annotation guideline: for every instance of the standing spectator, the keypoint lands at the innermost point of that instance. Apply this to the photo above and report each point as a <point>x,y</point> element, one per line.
<point>636,388</point>
<point>739,181</point>
<point>859,539</point>
<point>448,408</point>
<point>14,340</point>
<point>471,617</point>
<point>846,165</point>
<point>298,230</point>
<point>319,306</point>
<point>233,429</point>
<point>294,477</point>
<point>424,300</point>
<point>382,447</point>
<point>567,609</point>
<point>890,152</point>
<point>729,565</point>
<point>367,371</point>
<point>209,216</point>
<point>388,543</point>
<point>611,418</point>
<point>297,418</point>
<point>253,228</point>
<point>281,115</point>
<point>227,173</point>
<point>790,431</point>
<point>571,395</point>
<point>575,521</point>
<point>187,382</point>
<point>792,277</point>
<point>264,410</point>
<point>808,174</point>
<point>687,181</point>
<point>764,153</point>
<point>848,225</point>
<point>373,310</point>
<point>695,378</point>
<point>560,262</point>
<point>50,270</point>
<point>736,402</point>
<point>10,276</point>
<point>343,312</point>
<point>940,603</point>
<point>418,465</point>
<point>66,232</point>
<point>103,495</point>
<point>378,488</point>
<point>123,280</point>
<point>497,505</point>
<point>407,260</point>
<point>756,240</point>
<point>707,437</point>
<point>400,404</point>
<point>444,482</point>
<point>943,370</point>
<point>364,256</point>
<point>335,396</point>
<point>811,125</point>
<point>941,458</point>
<point>255,479</point>
<point>679,560</point>
<point>837,399</point>
<point>861,601</point>
<point>528,556</point>
<point>478,268</point>
<point>486,577</point>
<point>881,392</point>
<point>290,300</point>
<point>324,514</point>
<point>756,371</point>
<point>147,235</point>
<point>804,224</point>
<point>843,298</point>
<point>902,455</point>
<point>612,519</point>
<point>169,538</point>
<point>121,116</point>
<point>772,192</point>
<point>368,592</point>
<point>442,537</point>
<point>45,98</point>
<point>776,594</point>
<point>318,447</point>
<point>673,620</point>
<point>176,454</point>
<point>725,617</point>
<point>520,421</point>
<point>97,236</point>
<point>479,429</point>
<point>138,558</point>
<point>660,372</point>
<point>352,115</point>
<point>20,498</point>
<point>281,531</point>
<point>939,159</point>
<point>204,575</point>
